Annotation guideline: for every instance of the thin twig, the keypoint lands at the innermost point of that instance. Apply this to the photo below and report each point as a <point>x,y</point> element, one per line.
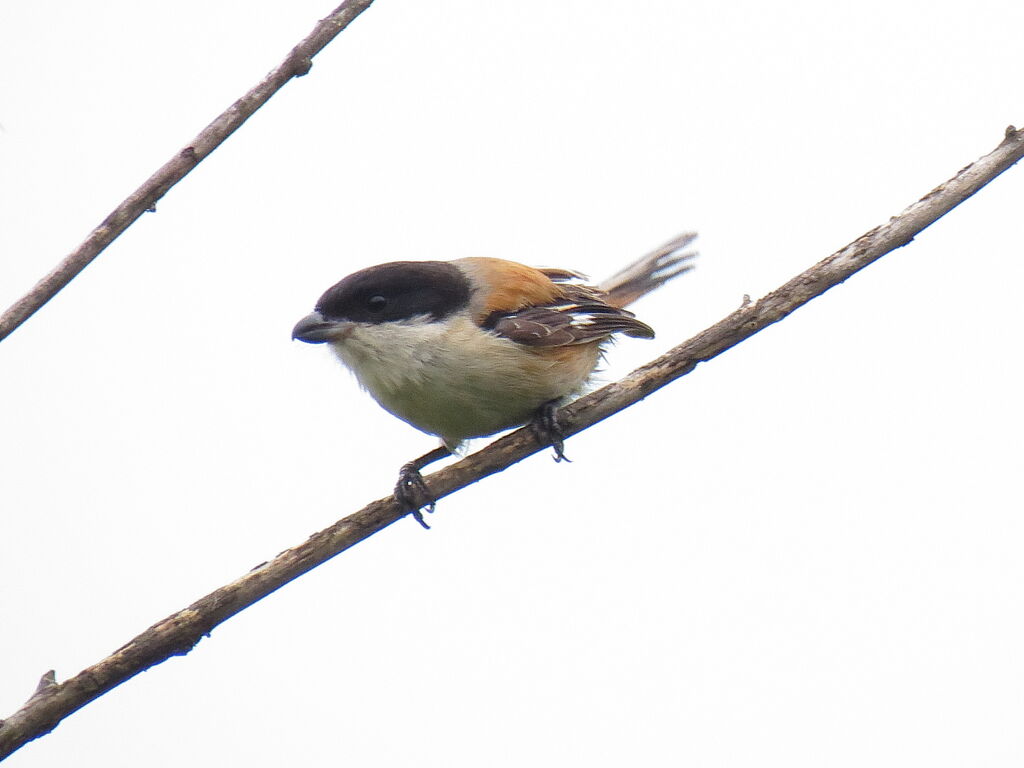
<point>296,64</point>
<point>177,634</point>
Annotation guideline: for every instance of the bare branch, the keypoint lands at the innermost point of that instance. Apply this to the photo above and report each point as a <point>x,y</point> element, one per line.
<point>296,64</point>
<point>177,634</point>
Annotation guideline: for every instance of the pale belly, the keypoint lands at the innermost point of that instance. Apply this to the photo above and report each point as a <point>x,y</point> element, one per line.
<point>456,383</point>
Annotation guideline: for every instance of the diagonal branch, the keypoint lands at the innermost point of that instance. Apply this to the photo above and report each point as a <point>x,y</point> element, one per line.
<point>296,64</point>
<point>177,634</point>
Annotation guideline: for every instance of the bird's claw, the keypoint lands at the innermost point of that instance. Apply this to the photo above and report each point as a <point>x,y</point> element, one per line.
<point>548,429</point>
<point>412,494</point>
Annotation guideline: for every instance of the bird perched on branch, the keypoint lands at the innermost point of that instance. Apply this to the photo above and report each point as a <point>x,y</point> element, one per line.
<point>474,346</point>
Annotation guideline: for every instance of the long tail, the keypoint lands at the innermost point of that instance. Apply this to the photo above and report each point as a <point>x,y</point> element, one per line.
<point>651,271</point>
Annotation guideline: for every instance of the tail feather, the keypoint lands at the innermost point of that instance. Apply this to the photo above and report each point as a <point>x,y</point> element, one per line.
<point>651,271</point>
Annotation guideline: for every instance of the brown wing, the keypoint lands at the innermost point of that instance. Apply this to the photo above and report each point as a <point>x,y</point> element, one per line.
<point>559,325</point>
<point>561,275</point>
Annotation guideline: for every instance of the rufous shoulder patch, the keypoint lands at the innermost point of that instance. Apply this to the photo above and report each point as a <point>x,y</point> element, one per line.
<point>513,285</point>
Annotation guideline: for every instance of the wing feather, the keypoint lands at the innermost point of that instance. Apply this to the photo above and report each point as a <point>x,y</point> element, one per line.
<point>574,322</point>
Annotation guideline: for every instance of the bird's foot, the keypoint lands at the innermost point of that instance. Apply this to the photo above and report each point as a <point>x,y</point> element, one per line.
<point>548,430</point>
<point>411,491</point>
<point>412,494</point>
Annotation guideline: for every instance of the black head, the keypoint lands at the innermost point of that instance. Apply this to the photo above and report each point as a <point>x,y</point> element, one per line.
<point>397,291</point>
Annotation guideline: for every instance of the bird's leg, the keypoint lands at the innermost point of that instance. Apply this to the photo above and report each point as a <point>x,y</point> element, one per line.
<point>547,429</point>
<point>411,492</point>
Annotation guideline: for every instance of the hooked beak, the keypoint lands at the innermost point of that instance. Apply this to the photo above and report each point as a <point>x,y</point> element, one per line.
<point>314,328</point>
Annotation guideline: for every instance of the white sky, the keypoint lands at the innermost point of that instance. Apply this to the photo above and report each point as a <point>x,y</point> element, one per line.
<point>806,553</point>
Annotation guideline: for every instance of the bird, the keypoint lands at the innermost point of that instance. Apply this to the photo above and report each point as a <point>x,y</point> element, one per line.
<point>474,346</point>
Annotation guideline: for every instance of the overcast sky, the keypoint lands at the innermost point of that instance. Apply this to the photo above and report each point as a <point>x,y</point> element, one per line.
<point>806,553</point>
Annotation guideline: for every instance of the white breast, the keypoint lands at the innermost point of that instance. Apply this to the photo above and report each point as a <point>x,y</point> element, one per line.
<point>456,381</point>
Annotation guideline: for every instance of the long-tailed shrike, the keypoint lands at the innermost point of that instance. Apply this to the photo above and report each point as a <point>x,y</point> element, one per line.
<point>474,346</point>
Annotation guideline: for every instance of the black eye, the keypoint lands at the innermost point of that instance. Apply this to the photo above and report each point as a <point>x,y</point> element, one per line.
<point>376,303</point>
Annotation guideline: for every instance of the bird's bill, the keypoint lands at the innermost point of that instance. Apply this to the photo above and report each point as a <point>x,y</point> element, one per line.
<point>314,328</point>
